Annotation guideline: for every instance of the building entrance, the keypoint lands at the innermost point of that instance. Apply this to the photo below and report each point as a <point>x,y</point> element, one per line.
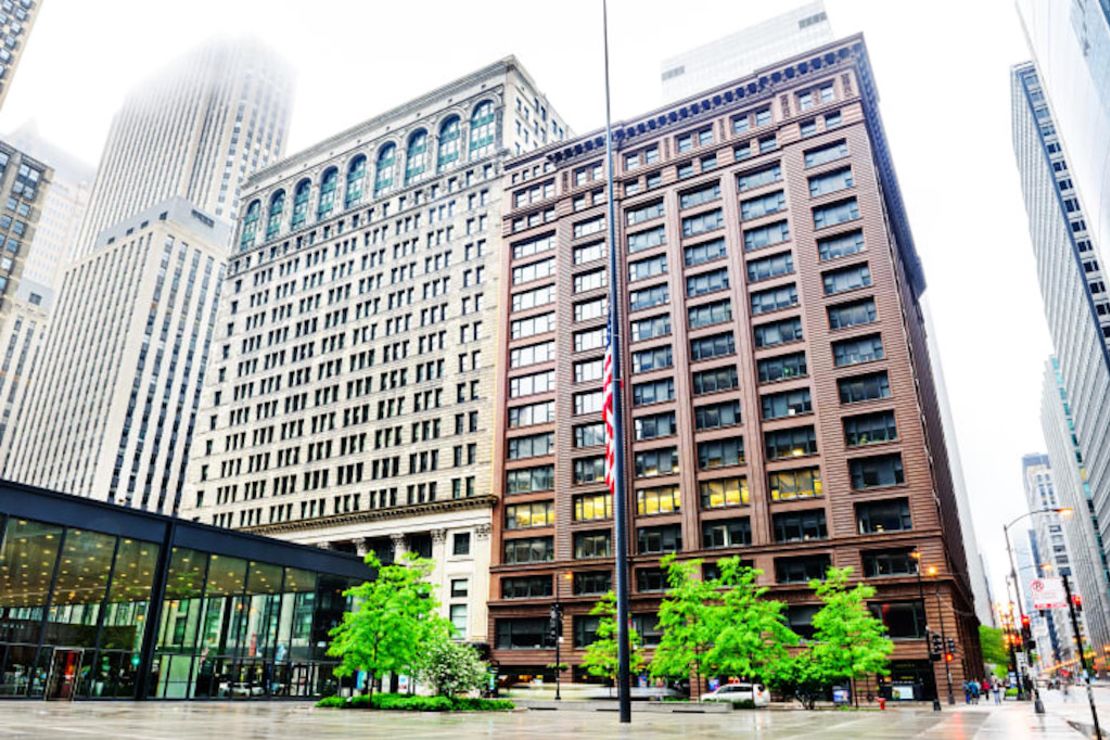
<point>65,671</point>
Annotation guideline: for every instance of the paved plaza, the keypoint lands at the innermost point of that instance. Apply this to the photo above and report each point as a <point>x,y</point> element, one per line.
<point>227,720</point>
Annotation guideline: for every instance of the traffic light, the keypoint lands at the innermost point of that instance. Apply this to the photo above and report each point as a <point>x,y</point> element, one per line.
<point>936,646</point>
<point>951,647</point>
<point>949,657</point>
<point>1077,602</point>
<point>555,622</point>
<point>1026,630</point>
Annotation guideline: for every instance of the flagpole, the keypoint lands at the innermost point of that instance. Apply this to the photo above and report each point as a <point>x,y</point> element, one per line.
<point>620,505</point>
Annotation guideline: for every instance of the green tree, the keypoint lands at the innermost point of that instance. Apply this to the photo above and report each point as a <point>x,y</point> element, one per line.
<point>394,623</point>
<point>750,635</point>
<point>452,668</point>
<point>601,655</point>
<point>848,640</point>
<point>687,619</point>
<point>994,649</point>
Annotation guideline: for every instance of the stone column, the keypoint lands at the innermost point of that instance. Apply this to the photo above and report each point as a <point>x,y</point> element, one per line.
<point>477,612</point>
<point>400,546</point>
<point>324,545</point>
<point>362,547</point>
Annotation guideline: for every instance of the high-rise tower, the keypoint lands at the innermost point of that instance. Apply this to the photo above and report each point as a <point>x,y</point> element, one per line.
<point>195,130</point>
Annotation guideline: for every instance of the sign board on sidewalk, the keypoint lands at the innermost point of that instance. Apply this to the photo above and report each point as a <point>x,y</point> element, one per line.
<point>1047,593</point>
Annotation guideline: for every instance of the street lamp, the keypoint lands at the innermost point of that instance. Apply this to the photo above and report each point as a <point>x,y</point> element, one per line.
<point>932,572</point>
<point>1038,705</point>
<point>916,555</point>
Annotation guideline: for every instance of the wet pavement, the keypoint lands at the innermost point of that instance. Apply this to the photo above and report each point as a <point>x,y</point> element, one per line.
<point>185,721</point>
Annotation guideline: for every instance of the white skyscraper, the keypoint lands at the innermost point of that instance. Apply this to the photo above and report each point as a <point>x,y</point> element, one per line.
<point>110,412</point>
<point>742,53</point>
<point>195,130</point>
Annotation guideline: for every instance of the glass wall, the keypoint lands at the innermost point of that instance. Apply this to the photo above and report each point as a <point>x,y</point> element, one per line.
<point>74,605</point>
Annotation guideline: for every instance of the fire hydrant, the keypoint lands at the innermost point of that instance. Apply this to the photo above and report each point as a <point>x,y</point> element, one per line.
<point>882,703</point>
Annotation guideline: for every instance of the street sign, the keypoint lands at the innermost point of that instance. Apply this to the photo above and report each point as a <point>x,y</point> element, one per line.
<point>1047,593</point>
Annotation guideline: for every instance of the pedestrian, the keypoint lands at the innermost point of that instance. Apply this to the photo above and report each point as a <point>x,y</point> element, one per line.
<point>967,692</point>
<point>974,691</point>
<point>996,689</point>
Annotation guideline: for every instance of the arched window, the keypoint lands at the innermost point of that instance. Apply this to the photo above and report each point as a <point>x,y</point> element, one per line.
<point>449,134</point>
<point>328,183</point>
<point>383,171</point>
<point>416,157</point>
<point>356,174</point>
<point>273,223</point>
<point>482,130</point>
<point>250,224</point>
<point>300,203</point>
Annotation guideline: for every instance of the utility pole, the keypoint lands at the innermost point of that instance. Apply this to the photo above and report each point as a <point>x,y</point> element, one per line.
<point>1082,656</point>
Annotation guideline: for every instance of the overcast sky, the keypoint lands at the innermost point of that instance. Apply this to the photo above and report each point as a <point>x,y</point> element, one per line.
<point>943,75</point>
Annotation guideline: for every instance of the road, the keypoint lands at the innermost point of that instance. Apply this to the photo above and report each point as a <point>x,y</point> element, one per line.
<point>298,721</point>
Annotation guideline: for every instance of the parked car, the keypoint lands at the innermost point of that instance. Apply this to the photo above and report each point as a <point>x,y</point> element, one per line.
<point>734,693</point>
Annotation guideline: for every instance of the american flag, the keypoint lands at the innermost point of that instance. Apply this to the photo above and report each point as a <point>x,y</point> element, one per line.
<point>607,412</point>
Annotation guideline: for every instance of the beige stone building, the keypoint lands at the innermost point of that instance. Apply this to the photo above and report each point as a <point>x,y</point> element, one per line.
<point>349,399</point>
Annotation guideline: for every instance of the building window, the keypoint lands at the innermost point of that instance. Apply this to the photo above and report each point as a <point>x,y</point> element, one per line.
<point>857,350</point>
<point>876,472</point>
<point>880,563</point>
<point>783,367</point>
<point>766,236</point>
<point>836,213</point>
<point>703,222</point>
<point>715,380</point>
<point>648,360</point>
<point>758,178</point>
<point>585,629</point>
<point>856,313</point>
<point>774,299</point>
<point>778,332</point>
<point>717,345</point>
<point>649,580</point>
<point>831,181</point>
<point>647,268</point>
<point>460,588</point>
<point>827,153</point>
<point>783,444</point>
<point>589,435</point>
<point>329,183</point>
<point>699,254</point>
<point>591,545</point>
<point>787,485</point>
<point>482,131</point>
<point>460,543</point>
<point>644,213</point>
<point>530,480</point>
<point>300,203</point>
<point>717,415</point>
<point>726,533</point>
<point>356,174</point>
<point>589,470</point>
<point>527,516</point>
<point>870,429</point>
<point>864,387</point>
<point>724,492</point>
<point>845,279</point>
<point>763,205</point>
<point>383,171</point>
<point>707,282</point>
<point>787,403</point>
<point>840,245</point>
<point>533,445</point>
<point>658,391</point>
<point>526,587</point>
<point>801,569</point>
<point>709,314</point>
<point>699,196</point>
<point>593,506</point>
<point>655,426</point>
<point>658,500</point>
<point>651,463</point>
<point>450,140</point>
<point>592,582</point>
<point>766,268</point>
<point>904,620</point>
<point>720,453</point>
<point>657,295</point>
<point>250,225</point>
<point>529,550</point>
<point>800,526</point>
<point>416,156</point>
<point>659,539</point>
<point>273,222</point>
<point>642,240</point>
<point>524,634</point>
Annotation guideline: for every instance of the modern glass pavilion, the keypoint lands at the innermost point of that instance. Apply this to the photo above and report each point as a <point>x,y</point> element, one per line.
<point>99,601</point>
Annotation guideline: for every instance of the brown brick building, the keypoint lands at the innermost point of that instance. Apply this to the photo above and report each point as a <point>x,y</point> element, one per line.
<point>778,398</point>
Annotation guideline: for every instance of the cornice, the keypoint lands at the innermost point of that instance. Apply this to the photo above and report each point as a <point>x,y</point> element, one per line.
<point>376,515</point>
<point>760,85</point>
